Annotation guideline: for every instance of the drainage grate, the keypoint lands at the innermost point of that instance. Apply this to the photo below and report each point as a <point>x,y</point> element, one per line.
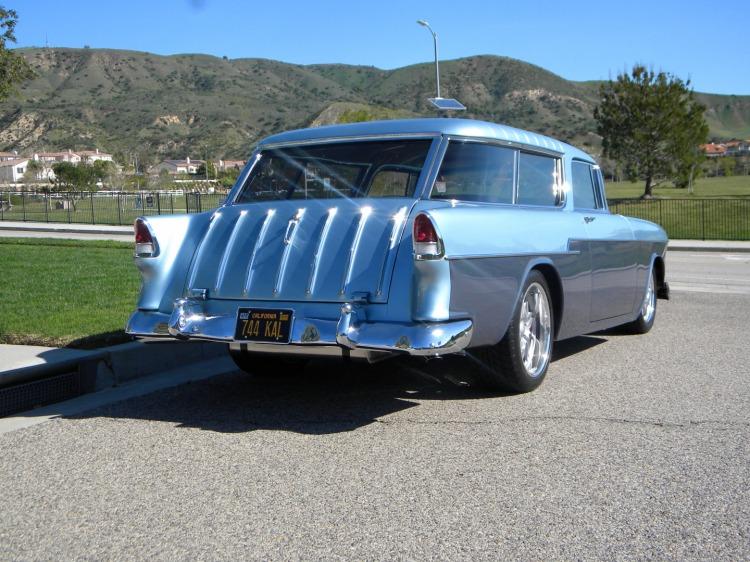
<point>46,391</point>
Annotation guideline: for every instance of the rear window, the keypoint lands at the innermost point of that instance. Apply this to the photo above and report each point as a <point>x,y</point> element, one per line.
<point>336,170</point>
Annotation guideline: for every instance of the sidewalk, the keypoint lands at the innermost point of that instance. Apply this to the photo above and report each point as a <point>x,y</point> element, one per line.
<point>66,227</point>
<point>709,246</point>
<point>67,231</point>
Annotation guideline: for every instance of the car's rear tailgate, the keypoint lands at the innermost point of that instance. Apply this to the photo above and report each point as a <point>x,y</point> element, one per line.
<point>326,250</point>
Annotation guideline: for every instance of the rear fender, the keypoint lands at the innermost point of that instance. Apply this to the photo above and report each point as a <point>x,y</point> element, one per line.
<point>163,276</point>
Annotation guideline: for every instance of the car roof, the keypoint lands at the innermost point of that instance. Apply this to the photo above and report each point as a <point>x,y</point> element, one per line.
<point>434,126</point>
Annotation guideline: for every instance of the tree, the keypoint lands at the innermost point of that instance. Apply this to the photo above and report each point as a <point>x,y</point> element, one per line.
<point>103,170</point>
<point>728,165</point>
<point>651,125</point>
<point>13,68</point>
<point>33,170</point>
<point>72,176</point>
<point>201,171</point>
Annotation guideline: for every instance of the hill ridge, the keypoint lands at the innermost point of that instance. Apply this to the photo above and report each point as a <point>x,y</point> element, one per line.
<point>193,103</point>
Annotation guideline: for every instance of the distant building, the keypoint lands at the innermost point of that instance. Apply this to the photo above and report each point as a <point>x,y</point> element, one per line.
<point>94,155</point>
<point>53,157</point>
<point>737,147</point>
<point>12,171</point>
<point>9,156</point>
<point>224,165</point>
<point>712,150</point>
<point>175,167</point>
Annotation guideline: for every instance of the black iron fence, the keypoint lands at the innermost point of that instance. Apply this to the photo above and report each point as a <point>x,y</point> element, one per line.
<point>704,219</point>
<point>114,208</point>
<point>695,219</point>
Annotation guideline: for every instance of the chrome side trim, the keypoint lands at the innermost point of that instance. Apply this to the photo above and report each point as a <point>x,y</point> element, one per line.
<point>398,221</point>
<point>229,249</point>
<point>199,254</point>
<point>258,244</point>
<point>364,214</point>
<point>512,255</point>
<point>291,231</point>
<point>319,250</point>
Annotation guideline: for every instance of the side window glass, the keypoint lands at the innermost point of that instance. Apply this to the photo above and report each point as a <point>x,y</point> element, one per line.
<point>476,172</point>
<point>584,190</point>
<point>393,183</point>
<point>537,180</point>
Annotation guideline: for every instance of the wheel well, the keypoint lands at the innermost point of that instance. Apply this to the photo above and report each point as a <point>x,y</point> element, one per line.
<point>555,286</point>
<point>659,270</point>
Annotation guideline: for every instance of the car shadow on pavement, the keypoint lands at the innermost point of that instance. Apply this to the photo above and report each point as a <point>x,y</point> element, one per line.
<point>323,398</point>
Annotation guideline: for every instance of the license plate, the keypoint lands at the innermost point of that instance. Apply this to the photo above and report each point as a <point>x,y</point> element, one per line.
<point>260,324</point>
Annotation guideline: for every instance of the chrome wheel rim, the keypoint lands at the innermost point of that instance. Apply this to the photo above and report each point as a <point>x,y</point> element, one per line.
<point>649,302</point>
<point>535,330</point>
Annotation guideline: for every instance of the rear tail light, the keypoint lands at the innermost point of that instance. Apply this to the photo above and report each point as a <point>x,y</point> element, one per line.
<point>145,247</point>
<point>427,243</point>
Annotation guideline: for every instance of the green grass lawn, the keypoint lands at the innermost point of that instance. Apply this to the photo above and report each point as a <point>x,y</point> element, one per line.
<point>66,292</point>
<point>732,186</point>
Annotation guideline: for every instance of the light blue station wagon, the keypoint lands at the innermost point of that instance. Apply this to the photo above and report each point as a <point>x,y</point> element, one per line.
<point>425,237</point>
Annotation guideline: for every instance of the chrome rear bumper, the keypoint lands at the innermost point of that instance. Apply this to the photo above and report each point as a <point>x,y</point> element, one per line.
<point>351,335</point>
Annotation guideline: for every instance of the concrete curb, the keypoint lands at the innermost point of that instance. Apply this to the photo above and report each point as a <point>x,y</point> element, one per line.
<point>112,366</point>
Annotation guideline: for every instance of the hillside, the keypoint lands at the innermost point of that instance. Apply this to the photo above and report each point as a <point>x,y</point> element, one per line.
<point>126,101</point>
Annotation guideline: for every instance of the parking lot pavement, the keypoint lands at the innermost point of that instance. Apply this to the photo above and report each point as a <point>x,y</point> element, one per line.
<point>635,446</point>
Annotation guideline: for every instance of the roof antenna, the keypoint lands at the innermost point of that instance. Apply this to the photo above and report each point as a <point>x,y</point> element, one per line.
<point>441,103</point>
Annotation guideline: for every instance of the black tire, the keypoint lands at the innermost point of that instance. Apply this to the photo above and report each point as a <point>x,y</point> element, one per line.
<point>647,314</point>
<point>502,365</point>
<point>266,365</point>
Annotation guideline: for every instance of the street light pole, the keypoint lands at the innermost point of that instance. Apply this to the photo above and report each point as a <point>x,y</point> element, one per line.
<point>426,25</point>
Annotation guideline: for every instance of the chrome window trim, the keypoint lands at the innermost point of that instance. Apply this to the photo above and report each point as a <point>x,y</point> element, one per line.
<point>506,143</point>
<point>339,139</point>
<point>596,169</point>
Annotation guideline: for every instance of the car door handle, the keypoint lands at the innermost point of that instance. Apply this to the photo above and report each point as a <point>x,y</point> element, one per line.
<point>290,230</point>
<point>589,219</point>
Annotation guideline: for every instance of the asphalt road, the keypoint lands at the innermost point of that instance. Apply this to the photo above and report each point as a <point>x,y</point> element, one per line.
<point>709,272</point>
<point>634,447</point>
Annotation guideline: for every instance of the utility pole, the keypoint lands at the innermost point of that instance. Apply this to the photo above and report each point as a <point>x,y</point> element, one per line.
<point>439,102</point>
<point>426,25</point>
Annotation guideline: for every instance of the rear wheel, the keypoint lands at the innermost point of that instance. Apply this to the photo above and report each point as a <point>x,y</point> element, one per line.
<point>267,365</point>
<point>519,362</point>
<point>645,320</point>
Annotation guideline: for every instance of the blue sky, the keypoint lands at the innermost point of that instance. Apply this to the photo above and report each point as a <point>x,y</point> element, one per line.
<point>707,42</point>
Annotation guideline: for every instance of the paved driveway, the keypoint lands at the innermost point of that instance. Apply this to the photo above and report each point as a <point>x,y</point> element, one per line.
<point>635,446</point>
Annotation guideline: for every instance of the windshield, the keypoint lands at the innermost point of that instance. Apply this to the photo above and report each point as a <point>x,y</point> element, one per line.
<point>340,170</point>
